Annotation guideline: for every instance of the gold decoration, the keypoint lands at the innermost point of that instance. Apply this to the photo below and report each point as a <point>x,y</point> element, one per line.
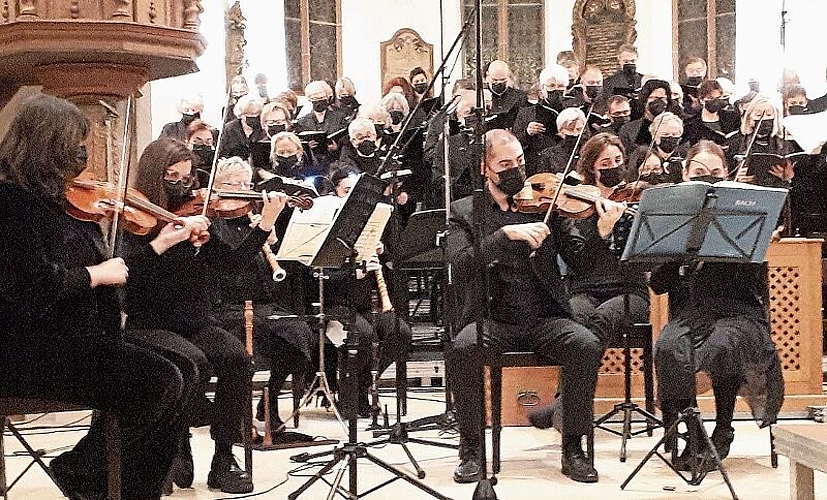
<point>404,51</point>
<point>153,13</point>
<point>598,28</point>
<point>4,11</point>
<point>74,9</point>
<point>26,10</point>
<point>234,26</point>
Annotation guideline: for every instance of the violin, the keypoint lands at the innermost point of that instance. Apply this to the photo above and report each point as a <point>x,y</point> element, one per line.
<point>574,201</point>
<point>230,204</point>
<point>92,200</point>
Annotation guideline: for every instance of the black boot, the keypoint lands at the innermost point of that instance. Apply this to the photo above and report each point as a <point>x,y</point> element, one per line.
<point>182,468</point>
<point>226,475</point>
<point>722,438</point>
<point>548,416</point>
<point>468,470</point>
<point>575,463</point>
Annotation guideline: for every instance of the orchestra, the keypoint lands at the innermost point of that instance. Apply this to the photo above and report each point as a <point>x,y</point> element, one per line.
<point>222,203</point>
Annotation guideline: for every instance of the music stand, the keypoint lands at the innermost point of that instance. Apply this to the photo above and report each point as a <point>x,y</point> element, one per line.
<point>691,222</point>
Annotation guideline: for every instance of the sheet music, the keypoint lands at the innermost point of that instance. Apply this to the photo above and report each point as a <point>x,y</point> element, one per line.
<point>372,234</point>
<point>308,229</point>
<point>808,130</point>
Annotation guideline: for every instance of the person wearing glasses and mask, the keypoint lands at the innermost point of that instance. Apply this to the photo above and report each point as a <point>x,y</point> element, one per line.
<point>505,99</point>
<point>536,126</point>
<point>168,302</point>
<point>246,129</point>
<point>322,118</point>
<point>669,150</point>
<point>654,98</point>
<point>570,122</point>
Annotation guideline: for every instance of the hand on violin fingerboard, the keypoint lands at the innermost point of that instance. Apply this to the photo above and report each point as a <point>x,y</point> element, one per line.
<point>608,213</point>
<point>533,233</point>
<point>274,203</point>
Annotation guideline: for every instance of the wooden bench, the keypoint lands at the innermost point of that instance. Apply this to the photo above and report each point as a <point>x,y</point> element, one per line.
<point>806,447</point>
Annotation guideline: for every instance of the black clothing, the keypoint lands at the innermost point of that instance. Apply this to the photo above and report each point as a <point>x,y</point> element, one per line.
<point>334,121</point>
<point>175,130</point>
<point>719,325</point>
<point>773,145</point>
<point>61,341</point>
<point>694,129</point>
<point>463,158</point>
<point>621,80</point>
<point>234,142</point>
<point>555,158</point>
<point>635,133</point>
<point>533,145</point>
<point>529,310</point>
<point>508,104</point>
<point>671,166</point>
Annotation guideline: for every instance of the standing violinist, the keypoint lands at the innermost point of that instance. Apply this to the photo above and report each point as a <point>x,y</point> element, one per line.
<point>529,307</point>
<point>61,335</point>
<point>604,295</point>
<point>169,302</point>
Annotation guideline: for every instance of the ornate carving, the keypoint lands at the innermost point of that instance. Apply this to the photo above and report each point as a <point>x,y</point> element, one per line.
<point>74,9</point>
<point>4,11</point>
<point>599,27</point>
<point>192,10</point>
<point>153,13</point>
<point>234,26</point>
<point>124,10</point>
<point>404,51</point>
<point>26,10</point>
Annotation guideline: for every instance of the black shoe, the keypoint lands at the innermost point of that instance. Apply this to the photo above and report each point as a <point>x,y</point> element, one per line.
<point>468,470</point>
<point>75,484</point>
<point>548,416</point>
<point>227,476</point>
<point>722,438</point>
<point>182,468</point>
<point>577,467</point>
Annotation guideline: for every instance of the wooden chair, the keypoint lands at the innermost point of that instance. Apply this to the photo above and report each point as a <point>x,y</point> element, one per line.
<point>21,406</point>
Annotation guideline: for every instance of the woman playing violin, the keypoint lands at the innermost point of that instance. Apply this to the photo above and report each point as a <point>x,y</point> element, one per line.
<point>169,303</point>
<point>61,320</point>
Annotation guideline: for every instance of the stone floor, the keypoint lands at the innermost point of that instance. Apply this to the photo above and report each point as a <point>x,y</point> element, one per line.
<point>531,466</point>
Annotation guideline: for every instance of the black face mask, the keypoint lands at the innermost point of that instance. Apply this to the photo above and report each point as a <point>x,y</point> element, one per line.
<point>554,98</point>
<point>366,147</point>
<point>592,91</point>
<point>655,178</point>
<point>177,193</point>
<point>668,144</point>
<point>380,129</point>
<point>498,88</point>
<point>707,178</point>
<point>511,181</point>
<point>349,101</point>
<point>797,109</point>
<point>397,117</point>
<point>205,154</point>
<point>320,105</point>
<point>715,105</point>
<point>656,107</point>
<point>275,129</point>
<point>287,162</point>
<point>254,122</point>
<point>420,88</point>
<point>630,69</point>
<point>694,81</point>
<point>611,177</point>
<point>619,121</point>
<point>765,127</point>
<point>187,119</point>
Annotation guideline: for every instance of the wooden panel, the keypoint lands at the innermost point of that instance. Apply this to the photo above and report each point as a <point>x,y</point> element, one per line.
<point>525,389</point>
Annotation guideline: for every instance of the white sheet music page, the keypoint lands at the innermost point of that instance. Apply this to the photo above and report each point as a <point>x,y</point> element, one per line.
<point>372,234</point>
<point>308,229</point>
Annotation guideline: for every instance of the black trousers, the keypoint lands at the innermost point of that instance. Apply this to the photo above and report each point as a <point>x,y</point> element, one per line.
<point>212,350</point>
<point>562,340</point>
<point>605,315</point>
<point>144,391</point>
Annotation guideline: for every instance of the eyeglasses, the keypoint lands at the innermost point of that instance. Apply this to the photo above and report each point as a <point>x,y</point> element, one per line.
<point>236,185</point>
<point>186,181</point>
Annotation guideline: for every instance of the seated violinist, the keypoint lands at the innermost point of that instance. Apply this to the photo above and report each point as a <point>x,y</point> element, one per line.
<point>286,345</point>
<point>722,331</point>
<point>529,306</point>
<point>168,300</point>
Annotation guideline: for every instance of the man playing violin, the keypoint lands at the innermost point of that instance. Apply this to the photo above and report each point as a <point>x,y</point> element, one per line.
<point>169,302</point>
<point>528,305</point>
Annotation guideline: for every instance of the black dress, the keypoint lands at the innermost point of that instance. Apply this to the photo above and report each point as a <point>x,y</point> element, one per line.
<point>61,340</point>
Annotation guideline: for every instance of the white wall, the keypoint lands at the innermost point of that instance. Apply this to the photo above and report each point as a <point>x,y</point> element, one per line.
<point>367,23</point>
<point>654,37</point>
<point>558,28</point>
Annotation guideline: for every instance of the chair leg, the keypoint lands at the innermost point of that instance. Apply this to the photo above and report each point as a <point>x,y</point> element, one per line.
<point>112,440</point>
<point>247,430</point>
<point>649,381</point>
<point>773,452</point>
<point>496,414</point>
<point>298,391</point>
<point>3,458</point>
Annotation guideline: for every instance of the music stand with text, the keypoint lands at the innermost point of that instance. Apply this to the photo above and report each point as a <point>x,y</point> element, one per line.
<point>698,221</point>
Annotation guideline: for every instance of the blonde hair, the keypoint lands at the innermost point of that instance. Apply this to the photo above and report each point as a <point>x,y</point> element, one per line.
<point>666,116</point>
<point>396,98</point>
<point>246,104</point>
<point>232,165</point>
<point>375,112</point>
<point>746,119</point>
<point>284,136</point>
<point>316,86</point>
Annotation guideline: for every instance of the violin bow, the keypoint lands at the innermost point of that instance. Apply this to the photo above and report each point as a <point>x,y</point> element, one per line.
<point>211,182</point>
<point>566,170</point>
<point>749,147</point>
<point>650,149</point>
<point>123,174</point>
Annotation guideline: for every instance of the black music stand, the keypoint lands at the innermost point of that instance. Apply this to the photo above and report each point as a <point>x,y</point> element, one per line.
<point>691,222</point>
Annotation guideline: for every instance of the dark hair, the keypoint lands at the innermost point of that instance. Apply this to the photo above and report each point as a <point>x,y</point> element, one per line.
<point>417,71</point>
<point>338,171</point>
<point>591,151</point>
<point>39,152</point>
<point>400,81</point>
<point>707,87</point>
<point>197,126</point>
<point>158,155</point>
<point>616,99</point>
